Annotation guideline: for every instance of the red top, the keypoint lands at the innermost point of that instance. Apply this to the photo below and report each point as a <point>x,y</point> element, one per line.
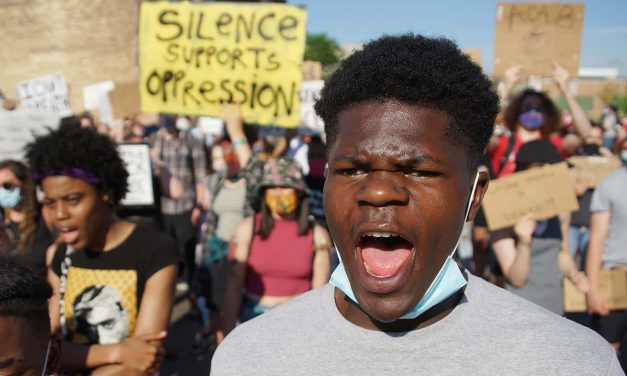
<point>282,264</point>
<point>510,165</point>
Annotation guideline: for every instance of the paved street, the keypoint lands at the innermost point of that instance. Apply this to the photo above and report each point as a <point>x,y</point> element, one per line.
<point>182,359</point>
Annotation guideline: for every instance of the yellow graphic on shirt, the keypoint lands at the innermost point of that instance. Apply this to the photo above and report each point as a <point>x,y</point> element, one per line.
<point>100,306</point>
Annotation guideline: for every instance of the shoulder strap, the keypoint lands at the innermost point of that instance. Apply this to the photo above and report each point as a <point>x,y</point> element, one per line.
<point>510,146</point>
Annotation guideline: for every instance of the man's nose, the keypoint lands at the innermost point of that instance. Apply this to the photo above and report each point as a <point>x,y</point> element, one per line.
<point>382,188</point>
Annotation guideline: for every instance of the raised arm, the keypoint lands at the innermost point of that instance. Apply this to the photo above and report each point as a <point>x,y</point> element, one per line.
<point>235,129</point>
<point>582,123</point>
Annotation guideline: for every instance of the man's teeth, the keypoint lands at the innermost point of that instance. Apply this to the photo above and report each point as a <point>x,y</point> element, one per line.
<point>381,234</point>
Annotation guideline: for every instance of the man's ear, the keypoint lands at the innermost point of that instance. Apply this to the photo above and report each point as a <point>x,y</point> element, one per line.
<point>482,187</point>
<point>54,356</point>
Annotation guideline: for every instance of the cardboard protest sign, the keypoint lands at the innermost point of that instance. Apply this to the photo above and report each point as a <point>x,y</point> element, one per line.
<point>48,93</point>
<point>312,70</point>
<point>194,55</point>
<point>475,55</point>
<point>612,285</point>
<point>309,93</point>
<point>20,126</point>
<point>591,170</point>
<point>535,34</point>
<point>125,100</point>
<point>136,158</point>
<point>543,191</point>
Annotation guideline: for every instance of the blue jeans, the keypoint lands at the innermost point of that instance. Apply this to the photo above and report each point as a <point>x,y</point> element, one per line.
<point>578,238</point>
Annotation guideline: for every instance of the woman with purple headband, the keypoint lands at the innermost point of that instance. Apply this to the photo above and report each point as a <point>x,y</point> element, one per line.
<point>113,281</point>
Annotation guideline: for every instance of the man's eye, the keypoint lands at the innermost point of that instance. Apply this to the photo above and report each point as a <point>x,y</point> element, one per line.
<point>420,173</point>
<point>350,171</point>
<point>73,200</point>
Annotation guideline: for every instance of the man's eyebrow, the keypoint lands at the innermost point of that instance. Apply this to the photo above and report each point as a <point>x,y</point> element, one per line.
<point>418,159</point>
<point>403,161</point>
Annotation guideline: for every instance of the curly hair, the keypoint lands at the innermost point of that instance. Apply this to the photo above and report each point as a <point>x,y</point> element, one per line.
<point>551,113</point>
<point>421,71</point>
<point>28,206</point>
<point>73,147</point>
<point>24,295</point>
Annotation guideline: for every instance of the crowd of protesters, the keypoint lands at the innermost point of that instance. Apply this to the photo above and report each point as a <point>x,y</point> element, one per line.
<point>238,225</point>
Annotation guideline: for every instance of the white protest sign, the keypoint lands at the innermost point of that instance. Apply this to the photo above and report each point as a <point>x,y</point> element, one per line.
<point>136,158</point>
<point>309,93</point>
<point>96,97</point>
<point>46,93</point>
<point>20,126</point>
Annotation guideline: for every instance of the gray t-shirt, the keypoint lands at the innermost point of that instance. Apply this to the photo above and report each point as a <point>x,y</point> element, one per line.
<point>611,195</point>
<point>491,332</point>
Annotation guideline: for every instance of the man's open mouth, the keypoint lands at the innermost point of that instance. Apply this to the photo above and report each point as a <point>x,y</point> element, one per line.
<point>384,253</point>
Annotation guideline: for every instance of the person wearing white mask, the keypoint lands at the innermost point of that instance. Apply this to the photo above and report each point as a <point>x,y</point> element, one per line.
<point>407,118</point>
<point>23,232</point>
<point>185,158</point>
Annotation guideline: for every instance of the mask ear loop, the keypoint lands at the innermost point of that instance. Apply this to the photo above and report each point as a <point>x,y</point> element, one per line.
<point>472,196</point>
<point>470,200</point>
<point>45,367</point>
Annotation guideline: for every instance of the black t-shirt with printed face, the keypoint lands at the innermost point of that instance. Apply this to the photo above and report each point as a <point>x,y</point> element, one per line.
<point>104,289</point>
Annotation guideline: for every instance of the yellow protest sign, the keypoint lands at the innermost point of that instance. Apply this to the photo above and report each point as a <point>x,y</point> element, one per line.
<point>195,55</point>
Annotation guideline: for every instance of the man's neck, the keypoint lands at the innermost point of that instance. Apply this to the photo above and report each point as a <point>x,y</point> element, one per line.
<point>353,313</point>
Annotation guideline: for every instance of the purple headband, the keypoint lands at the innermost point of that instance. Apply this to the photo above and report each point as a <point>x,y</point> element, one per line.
<point>73,172</point>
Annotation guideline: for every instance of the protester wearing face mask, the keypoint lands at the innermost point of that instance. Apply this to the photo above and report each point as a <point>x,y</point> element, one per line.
<point>185,158</point>
<point>226,210</point>
<point>278,253</point>
<point>579,230</point>
<point>532,254</point>
<point>26,346</point>
<point>23,232</point>
<point>532,115</point>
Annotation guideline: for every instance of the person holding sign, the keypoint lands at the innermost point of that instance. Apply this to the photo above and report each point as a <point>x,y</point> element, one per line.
<point>113,281</point>
<point>608,248</point>
<point>532,115</point>
<point>532,254</point>
<point>407,119</point>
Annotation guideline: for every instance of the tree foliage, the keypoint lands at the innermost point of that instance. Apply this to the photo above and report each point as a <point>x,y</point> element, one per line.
<point>322,48</point>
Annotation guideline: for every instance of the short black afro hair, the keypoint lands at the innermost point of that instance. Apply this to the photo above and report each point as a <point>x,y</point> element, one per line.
<point>72,146</point>
<point>428,72</point>
<point>24,295</point>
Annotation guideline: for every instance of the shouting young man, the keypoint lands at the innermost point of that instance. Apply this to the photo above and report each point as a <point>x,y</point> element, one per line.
<point>407,119</point>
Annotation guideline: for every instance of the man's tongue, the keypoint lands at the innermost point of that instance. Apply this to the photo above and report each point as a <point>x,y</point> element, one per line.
<point>383,257</point>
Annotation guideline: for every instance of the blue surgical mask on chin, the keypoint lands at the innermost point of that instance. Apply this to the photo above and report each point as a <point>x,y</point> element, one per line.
<point>448,281</point>
<point>9,198</point>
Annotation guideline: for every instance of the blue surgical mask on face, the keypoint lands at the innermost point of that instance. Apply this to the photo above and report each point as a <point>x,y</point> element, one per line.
<point>9,198</point>
<point>531,120</point>
<point>623,156</point>
<point>448,281</point>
